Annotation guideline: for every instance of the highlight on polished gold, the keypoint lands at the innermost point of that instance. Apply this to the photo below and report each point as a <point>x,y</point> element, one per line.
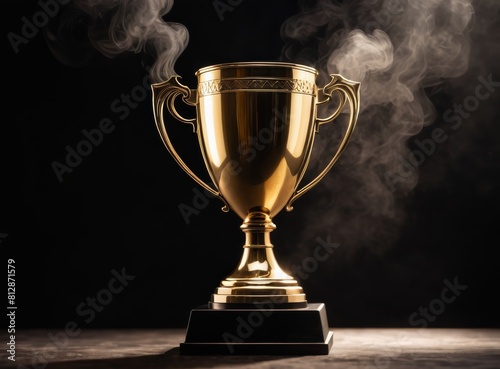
<point>256,123</point>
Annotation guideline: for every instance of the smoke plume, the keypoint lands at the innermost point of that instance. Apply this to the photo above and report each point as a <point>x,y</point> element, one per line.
<point>397,50</point>
<point>115,27</point>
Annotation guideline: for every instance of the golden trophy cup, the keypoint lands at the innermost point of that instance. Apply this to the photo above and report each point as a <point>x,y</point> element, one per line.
<point>256,123</point>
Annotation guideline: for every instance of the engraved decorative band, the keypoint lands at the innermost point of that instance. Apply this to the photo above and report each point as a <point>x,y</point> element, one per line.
<point>289,85</point>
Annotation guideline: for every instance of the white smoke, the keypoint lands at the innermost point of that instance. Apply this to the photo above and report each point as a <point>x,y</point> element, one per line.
<point>114,27</point>
<point>397,50</point>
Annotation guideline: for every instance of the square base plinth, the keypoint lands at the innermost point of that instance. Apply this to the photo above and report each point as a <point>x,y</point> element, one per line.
<point>263,331</point>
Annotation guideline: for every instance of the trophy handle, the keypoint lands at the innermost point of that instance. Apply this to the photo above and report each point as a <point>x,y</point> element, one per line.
<point>347,90</point>
<point>165,93</point>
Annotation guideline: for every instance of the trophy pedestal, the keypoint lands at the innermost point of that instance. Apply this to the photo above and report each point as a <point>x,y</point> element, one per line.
<point>258,331</point>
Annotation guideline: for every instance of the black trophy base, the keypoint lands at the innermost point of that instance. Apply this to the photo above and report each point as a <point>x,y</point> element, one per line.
<point>300,331</point>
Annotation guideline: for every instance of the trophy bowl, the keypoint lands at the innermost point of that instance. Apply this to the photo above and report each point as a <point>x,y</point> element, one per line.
<point>256,123</point>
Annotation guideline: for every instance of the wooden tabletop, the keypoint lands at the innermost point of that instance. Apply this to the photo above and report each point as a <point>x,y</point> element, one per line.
<point>352,348</point>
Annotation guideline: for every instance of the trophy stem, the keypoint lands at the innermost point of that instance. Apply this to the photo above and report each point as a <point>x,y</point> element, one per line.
<point>258,279</point>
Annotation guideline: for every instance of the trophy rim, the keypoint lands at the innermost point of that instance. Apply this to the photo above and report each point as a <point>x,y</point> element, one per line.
<point>256,64</point>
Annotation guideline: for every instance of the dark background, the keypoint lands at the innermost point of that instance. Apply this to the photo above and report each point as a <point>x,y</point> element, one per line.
<point>119,207</point>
